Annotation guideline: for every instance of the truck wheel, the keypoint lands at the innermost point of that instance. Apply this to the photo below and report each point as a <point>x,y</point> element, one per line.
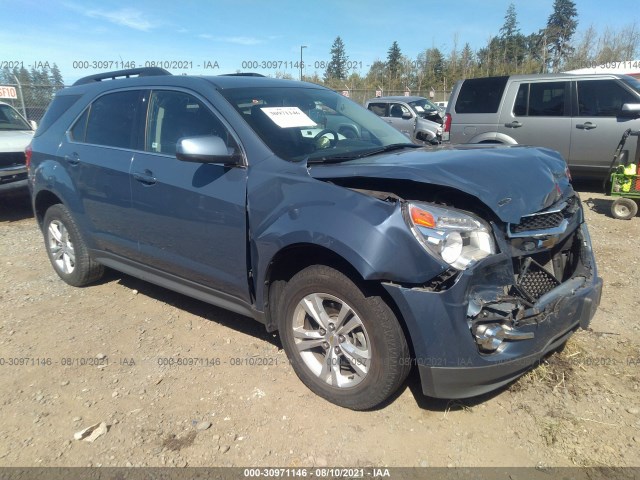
<point>345,346</point>
<point>624,208</point>
<point>66,248</point>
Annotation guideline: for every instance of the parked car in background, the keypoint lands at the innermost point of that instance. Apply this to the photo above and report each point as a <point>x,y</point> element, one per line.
<point>442,106</point>
<point>15,135</point>
<point>581,116</point>
<point>368,254</point>
<point>416,117</point>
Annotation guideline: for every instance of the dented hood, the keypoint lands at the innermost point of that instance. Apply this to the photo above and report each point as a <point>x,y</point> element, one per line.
<point>511,180</point>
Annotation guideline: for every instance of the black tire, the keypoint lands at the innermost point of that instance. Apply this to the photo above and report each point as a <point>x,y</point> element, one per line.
<point>371,352</point>
<point>67,250</point>
<point>624,208</point>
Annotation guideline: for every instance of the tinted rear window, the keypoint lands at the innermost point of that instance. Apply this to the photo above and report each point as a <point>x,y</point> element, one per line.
<point>481,95</point>
<point>59,105</point>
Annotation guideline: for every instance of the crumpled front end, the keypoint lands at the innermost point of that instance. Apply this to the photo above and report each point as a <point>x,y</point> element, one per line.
<point>477,329</point>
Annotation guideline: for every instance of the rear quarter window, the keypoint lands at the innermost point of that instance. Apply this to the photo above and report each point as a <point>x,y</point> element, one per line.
<point>59,105</point>
<point>480,95</point>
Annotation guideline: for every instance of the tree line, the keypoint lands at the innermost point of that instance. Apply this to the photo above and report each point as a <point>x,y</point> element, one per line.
<point>38,85</point>
<point>554,48</point>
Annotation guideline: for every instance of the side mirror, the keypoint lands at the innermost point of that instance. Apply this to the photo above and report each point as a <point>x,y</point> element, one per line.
<point>407,116</point>
<point>206,149</point>
<point>630,110</point>
<point>33,124</point>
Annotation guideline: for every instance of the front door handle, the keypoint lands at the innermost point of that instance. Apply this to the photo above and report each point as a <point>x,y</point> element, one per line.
<point>146,177</point>
<point>514,124</point>
<point>586,126</point>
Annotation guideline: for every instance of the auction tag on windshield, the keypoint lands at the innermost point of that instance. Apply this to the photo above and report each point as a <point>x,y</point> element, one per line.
<point>287,117</point>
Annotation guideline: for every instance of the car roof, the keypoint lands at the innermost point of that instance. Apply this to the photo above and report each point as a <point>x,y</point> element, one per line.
<point>104,82</point>
<point>397,98</point>
<point>552,76</point>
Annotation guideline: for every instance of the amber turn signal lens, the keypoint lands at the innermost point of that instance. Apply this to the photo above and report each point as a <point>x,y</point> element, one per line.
<point>422,218</point>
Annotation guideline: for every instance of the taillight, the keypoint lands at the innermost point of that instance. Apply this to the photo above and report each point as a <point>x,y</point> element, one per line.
<point>27,155</point>
<point>447,123</point>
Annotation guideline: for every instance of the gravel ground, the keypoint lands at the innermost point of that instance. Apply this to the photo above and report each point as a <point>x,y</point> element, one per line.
<point>73,358</point>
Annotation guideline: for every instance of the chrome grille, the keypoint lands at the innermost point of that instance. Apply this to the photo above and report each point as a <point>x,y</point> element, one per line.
<point>538,222</point>
<point>551,221</point>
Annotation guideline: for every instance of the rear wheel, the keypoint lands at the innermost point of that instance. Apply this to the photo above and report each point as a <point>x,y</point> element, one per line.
<point>624,208</point>
<point>346,347</point>
<point>66,248</point>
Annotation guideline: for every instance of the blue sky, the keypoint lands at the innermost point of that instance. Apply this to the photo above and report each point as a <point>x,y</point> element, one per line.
<point>234,32</point>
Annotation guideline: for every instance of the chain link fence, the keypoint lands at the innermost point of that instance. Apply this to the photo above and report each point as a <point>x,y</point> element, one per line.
<point>362,95</point>
<point>32,100</point>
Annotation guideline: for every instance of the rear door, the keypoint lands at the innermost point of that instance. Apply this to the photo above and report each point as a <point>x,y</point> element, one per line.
<point>98,154</point>
<point>538,115</point>
<point>597,128</point>
<point>190,218</point>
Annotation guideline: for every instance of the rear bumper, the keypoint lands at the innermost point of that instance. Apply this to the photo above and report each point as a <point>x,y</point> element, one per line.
<point>13,178</point>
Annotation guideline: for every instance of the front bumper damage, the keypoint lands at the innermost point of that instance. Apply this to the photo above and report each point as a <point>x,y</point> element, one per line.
<point>497,319</point>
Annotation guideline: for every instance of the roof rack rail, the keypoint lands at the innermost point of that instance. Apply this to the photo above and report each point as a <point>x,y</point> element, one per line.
<point>241,74</point>
<point>140,72</point>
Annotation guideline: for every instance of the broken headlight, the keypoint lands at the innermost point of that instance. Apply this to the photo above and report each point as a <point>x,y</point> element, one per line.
<point>459,238</point>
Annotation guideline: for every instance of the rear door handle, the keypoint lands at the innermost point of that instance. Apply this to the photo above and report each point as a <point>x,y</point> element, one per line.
<point>146,177</point>
<point>514,124</point>
<point>73,159</point>
<point>586,126</point>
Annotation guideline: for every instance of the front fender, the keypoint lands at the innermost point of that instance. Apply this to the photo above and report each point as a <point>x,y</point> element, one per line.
<point>370,234</point>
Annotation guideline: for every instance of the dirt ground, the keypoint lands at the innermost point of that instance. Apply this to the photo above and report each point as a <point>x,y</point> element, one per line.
<point>71,358</point>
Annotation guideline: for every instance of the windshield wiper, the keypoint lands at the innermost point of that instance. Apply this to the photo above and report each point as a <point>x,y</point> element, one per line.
<point>366,153</point>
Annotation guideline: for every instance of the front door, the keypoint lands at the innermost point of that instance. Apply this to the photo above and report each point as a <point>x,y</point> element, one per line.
<point>190,217</point>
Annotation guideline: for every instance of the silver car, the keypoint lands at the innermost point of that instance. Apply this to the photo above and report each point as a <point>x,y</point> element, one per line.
<point>15,135</point>
<point>581,116</point>
<point>416,117</point>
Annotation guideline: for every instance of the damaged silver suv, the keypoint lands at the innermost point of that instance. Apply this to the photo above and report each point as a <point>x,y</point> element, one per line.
<point>367,253</point>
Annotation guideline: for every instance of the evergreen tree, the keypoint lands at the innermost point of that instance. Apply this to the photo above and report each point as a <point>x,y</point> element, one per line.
<point>337,68</point>
<point>466,61</point>
<point>56,77</point>
<point>561,26</point>
<point>394,59</point>
<point>512,41</point>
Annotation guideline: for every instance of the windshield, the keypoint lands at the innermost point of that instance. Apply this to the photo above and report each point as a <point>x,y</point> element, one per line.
<point>11,120</point>
<point>315,124</point>
<point>424,107</point>
<point>632,82</point>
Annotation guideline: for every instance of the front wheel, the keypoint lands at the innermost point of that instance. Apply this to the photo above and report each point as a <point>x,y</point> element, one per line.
<point>346,347</point>
<point>66,248</point>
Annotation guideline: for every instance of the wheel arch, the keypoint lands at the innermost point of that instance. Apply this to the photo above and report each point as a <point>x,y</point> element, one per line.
<point>294,258</point>
<point>43,201</point>
<point>493,137</point>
